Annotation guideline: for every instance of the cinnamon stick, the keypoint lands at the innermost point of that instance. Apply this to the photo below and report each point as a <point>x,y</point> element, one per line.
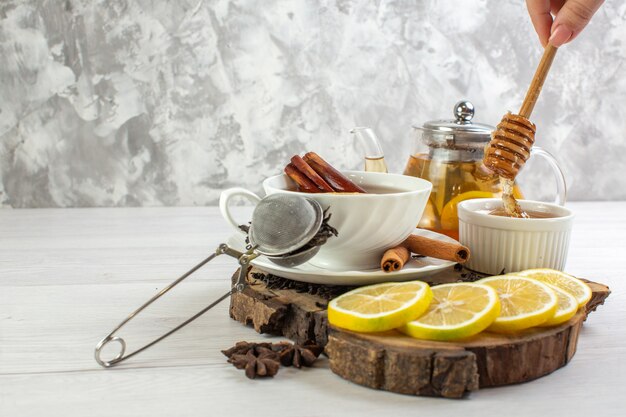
<point>310,173</point>
<point>304,184</point>
<point>437,248</point>
<point>336,179</point>
<point>395,258</point>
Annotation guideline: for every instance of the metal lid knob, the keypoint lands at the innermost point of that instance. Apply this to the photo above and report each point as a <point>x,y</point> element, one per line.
<point>463,112</point>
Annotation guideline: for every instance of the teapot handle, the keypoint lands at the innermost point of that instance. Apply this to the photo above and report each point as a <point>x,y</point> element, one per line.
<point>561,188</point>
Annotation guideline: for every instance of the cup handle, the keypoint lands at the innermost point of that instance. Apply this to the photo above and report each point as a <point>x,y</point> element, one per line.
<point>561,188</point>
<point>228,195</point>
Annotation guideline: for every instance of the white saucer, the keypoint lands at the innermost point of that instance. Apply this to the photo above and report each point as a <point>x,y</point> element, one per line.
<point>414,269</point>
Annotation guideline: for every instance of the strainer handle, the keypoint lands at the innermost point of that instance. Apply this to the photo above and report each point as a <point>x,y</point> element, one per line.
<point>228,195</point>
<point>223,249</point>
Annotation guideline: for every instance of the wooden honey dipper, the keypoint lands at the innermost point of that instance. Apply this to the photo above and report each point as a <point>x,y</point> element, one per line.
<point>510,144</point>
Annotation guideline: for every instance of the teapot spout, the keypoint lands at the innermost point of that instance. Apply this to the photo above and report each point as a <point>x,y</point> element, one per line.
<point>374,156</point>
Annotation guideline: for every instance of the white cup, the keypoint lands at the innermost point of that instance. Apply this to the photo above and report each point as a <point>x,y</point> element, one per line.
<point>500,243</point>
<point>367,224</point>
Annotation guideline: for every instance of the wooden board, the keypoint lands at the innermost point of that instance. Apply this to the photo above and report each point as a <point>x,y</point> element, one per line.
<point>394,362</point>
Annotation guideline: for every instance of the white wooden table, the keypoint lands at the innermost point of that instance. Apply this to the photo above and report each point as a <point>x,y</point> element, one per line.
<point>68,276</point>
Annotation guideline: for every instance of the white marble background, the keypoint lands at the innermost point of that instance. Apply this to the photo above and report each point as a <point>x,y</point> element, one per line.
<point>154,102</point>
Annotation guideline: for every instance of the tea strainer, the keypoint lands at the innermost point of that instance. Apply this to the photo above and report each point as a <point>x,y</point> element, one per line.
<point>283,228</point>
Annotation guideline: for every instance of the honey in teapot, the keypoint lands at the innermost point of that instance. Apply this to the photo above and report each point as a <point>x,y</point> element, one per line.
<point>449,154</point>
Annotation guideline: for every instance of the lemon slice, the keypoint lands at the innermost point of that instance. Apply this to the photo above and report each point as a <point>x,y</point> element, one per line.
<point>566,307</point>
<point>380,307</point>
<point>457,310</point>
<point>449,213</point>
<point>525,302</point>
<point>572,285</point>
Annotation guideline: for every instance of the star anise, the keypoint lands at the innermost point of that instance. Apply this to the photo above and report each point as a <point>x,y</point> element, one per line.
<point>264,359</point>
<point>266,363</point>
<point>241,348</point>
<point>298,355</point>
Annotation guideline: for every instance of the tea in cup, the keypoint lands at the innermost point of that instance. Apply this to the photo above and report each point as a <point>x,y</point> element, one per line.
<point>367,224</point>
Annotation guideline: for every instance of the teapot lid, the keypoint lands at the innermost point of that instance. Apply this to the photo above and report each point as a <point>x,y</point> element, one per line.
<point>461,129</point>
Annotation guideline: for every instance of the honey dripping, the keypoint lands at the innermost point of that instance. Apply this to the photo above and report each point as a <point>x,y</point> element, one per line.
<point>511,206</point>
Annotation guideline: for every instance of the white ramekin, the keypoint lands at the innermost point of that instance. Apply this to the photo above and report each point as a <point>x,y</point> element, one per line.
<point>509,244</point>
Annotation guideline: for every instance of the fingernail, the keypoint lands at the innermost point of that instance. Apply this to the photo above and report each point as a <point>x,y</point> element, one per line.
<point>560,35</point>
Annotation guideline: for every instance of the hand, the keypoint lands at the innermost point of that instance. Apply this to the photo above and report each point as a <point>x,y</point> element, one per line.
<point>570,18</point>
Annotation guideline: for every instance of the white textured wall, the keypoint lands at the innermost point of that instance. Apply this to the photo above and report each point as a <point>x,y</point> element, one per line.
<point>150,102</point>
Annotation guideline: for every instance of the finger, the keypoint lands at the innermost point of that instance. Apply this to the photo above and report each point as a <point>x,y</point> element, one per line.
<point>539,11</point>
<point>555,6</point>
<point>572,19</point>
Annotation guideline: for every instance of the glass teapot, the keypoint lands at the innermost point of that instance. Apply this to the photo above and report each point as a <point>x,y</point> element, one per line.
<point>449,154</point>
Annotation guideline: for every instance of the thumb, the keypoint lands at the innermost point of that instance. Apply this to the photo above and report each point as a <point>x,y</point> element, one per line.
<point>572,19</point>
